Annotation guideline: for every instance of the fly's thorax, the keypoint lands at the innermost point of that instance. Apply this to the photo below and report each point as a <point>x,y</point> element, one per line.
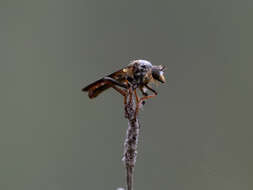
<point>140,62</point>
<point>142,73</point>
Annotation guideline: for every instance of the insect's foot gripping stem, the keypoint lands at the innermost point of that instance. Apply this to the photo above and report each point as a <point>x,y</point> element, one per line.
<point>137,104</point>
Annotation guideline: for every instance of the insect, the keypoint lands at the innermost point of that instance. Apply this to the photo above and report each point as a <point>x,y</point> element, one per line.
<point>137,75</point>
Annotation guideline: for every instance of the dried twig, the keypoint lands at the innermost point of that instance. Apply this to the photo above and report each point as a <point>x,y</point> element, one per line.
<point>131,142</point>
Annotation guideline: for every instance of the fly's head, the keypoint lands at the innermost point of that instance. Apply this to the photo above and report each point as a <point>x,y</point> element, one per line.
<point>157,73</point>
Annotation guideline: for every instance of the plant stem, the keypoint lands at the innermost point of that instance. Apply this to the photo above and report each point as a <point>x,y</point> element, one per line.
<point>131,142</point>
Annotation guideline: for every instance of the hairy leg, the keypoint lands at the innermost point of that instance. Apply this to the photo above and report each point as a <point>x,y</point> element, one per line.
<point>146,96</point>
<point>137,103</point>
<point>115,82</point>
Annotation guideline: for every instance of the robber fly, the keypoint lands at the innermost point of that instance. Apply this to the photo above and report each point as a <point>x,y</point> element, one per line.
<point>137,75</point>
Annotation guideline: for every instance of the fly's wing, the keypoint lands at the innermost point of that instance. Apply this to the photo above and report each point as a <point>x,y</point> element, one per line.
<point>97,87</point>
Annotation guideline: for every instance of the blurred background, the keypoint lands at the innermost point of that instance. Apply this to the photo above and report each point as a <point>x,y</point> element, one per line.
<point>196,134</point>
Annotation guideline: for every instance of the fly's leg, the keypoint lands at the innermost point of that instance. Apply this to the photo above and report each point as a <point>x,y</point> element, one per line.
<point>115,82</point>
<point>137,104</point>
<point>123,93</point>
<point>146,96</point>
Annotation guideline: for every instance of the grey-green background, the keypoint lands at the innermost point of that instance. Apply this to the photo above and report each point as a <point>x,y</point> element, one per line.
<point>196,134</point>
